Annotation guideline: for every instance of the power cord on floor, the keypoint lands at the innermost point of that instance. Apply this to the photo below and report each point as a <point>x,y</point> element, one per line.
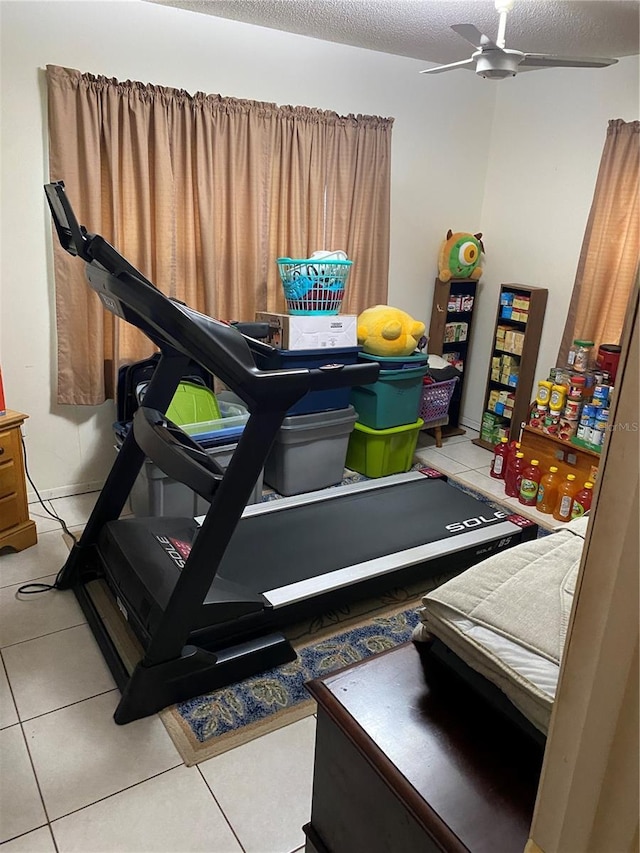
<point>33,588</point>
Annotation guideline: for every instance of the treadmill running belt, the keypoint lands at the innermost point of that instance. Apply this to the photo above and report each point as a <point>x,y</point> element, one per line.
<point>282,554</point>
<point>276,549</point>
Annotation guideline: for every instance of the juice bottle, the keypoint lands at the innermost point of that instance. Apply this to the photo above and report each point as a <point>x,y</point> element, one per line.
<point>514,476</point>
<point>530,484</point>
<point>566,492</point>
<point>514,447</point>
<point>499,462</point>
<point>548,491</point>
<point>582,500</point>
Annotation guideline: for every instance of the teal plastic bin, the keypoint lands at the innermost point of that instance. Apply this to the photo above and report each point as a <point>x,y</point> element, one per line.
<point>393,400</point>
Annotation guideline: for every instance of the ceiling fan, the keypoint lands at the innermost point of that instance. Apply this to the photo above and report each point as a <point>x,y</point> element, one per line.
<point>494,61</point>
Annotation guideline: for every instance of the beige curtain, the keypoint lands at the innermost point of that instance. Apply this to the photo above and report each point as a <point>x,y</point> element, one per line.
<point>358,215</point>
<point>610,254</point>
<point>202,193</point>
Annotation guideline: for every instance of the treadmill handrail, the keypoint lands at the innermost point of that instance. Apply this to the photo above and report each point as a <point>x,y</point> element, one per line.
<point>176,453</point>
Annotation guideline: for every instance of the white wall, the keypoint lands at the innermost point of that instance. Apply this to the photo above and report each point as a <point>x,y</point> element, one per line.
<point>437,177</point>
<point>546,144</point>
<point>447,155</point>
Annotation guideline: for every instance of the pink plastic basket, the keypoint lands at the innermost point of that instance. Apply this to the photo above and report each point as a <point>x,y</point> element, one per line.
<point>434,404</point>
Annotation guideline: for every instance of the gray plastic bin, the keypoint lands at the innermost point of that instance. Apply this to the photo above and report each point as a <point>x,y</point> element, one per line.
<point>309,451</point>
<point>155,494</point>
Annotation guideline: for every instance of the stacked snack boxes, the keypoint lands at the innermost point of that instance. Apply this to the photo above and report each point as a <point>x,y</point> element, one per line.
<point>501,402</point>
<point>509,340</point>
<point>458,303</point>
<point>515,306</point>
<point>454,332</point>
<point>505,368</point>
<point>493,427</point>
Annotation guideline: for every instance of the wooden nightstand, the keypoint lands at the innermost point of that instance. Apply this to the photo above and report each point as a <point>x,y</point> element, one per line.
<point>17,531</point>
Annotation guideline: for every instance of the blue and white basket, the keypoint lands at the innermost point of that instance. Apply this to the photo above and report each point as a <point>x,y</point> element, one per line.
<point>313,285</point>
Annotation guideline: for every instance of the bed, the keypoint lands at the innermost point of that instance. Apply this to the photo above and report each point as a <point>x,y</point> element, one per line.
<point>506,618</point>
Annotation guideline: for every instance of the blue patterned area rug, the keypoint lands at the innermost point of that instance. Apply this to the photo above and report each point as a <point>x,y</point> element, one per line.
<point>212,724</point>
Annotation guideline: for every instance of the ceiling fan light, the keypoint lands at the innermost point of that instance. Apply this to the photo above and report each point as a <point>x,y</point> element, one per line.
<point>498,64</point>
<point>495,74</point>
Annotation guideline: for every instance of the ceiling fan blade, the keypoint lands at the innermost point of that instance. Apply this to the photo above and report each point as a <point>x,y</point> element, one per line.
<point>472,34</point>
<point>544,60</point>
<point>451,65</point>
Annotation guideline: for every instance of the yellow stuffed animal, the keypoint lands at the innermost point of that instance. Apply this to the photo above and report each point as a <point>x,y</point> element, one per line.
<point>388,332</point>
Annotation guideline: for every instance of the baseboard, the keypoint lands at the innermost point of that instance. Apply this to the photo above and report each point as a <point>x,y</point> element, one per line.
<point>64,491</point>
<point>469,422</point>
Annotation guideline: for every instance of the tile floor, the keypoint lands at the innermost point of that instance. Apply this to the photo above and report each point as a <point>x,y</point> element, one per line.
<point>74,781</point>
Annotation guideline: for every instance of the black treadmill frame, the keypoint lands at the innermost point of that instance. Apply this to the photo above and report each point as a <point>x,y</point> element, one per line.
<point>170,669</point>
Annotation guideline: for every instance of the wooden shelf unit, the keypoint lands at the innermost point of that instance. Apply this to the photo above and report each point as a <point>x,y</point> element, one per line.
<point>567,457</point>
<point>440,316</point>
<point>532,330</point>
<point>17,531</point>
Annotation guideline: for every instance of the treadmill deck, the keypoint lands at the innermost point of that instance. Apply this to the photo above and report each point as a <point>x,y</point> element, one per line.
<point>285,552</point>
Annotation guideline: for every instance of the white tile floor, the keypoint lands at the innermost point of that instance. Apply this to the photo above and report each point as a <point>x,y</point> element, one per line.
<point>74,781</point>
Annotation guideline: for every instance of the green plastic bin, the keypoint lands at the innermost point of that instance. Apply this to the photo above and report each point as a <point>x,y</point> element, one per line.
<point>393,400</point>
<point>379,452</point>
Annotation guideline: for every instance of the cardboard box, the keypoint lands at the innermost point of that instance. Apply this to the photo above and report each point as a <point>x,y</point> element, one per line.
<point>455,332</point>
<point>310,331</point>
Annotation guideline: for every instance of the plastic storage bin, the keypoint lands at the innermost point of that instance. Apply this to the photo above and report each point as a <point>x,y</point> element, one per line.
<point>225,430</point>
<point>155,494</point>
<point>377,453</point>
<point>313,401</point>
<point>416,359</point>
<point>393,400</point>
<point>309,451</point>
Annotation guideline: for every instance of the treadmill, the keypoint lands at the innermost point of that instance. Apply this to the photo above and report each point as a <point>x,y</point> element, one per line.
<point>183,606</point>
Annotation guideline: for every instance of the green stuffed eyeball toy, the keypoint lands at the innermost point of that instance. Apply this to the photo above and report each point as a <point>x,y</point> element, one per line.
<point>460,256</point>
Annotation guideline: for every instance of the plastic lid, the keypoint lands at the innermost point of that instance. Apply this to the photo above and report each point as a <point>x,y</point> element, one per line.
<point>553,469</point>
<point>504,439</point>
<point>588,485</point>
<point>535,462</point>
<point>584,343</point>
<point>579,379</point>
<point>571,476</point>
<point>519,455</point>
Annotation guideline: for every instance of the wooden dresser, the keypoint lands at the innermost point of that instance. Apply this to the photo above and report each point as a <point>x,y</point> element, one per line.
<point>17,531</point>
<point>409,759</point>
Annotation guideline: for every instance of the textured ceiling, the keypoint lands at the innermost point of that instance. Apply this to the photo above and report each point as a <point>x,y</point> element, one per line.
<point>421,28</point>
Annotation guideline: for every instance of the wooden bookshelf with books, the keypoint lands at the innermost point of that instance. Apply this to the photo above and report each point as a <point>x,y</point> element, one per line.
<point>512,365</point>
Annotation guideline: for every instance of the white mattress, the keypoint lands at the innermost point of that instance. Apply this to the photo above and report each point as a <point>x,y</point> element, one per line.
<point>507,617</point>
